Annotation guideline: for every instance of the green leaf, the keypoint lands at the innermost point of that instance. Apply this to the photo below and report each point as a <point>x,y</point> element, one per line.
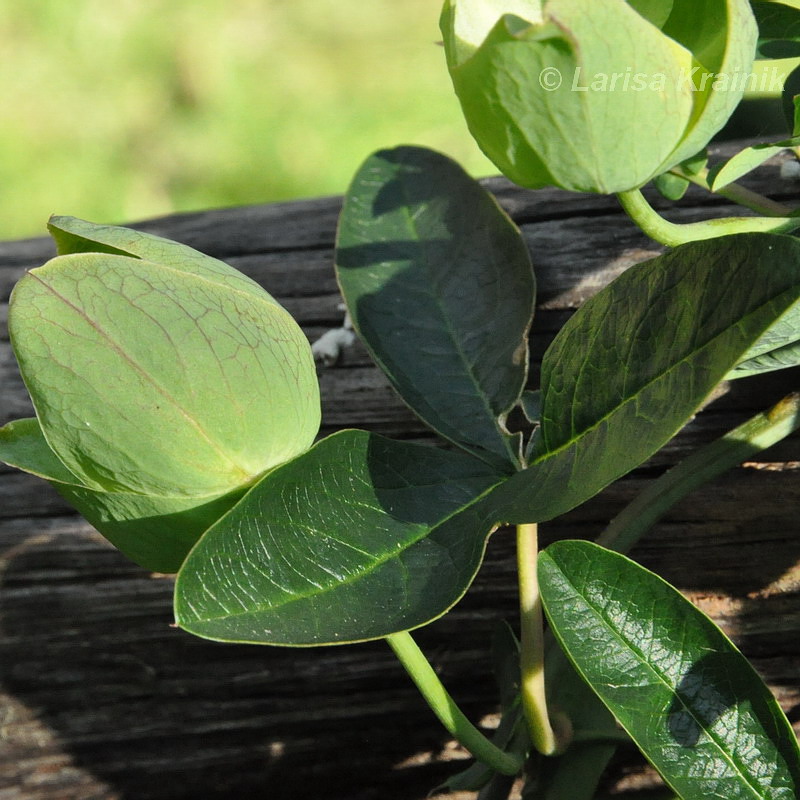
<point>721,34</point>
<point>153,379</point>
<point>531,405</point>
<point>156,532</point>
<point>789,101</point>
<point>746,161</point>
<point>358,538</point>
<point>655,11</point>
<point>22,445</point>
<point>439,285</point>
<point>549,95</point>
<point>637,360</point>
<point>777,348</point>
<point>778,29</point>
<point>517,93</point>
<point>673,187</point>
<point>688,698</point>
<point>73,235</point>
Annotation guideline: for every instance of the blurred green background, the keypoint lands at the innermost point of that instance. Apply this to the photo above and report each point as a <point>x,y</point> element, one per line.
<point>122,110</point>
<point>117,111</point>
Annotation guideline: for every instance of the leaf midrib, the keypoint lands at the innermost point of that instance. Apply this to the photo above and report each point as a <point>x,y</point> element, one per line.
<point>482,395</point>
<point>423,533</point>
<point>663,375</point>
<point>757,794</point>
<point>147,377</point>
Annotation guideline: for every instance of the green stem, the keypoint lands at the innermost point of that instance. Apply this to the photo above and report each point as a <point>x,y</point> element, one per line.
<point>445,708</point>
<point>738,194</point>
<point>703,465</point>
<point>532,689</point>
<point>673,234</point>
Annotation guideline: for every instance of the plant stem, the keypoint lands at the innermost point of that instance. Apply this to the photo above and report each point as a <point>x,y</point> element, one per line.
<point>673,234</point>
<point>534,700</point>
<point>705,464</point>
<point>445,708</point>
<point>736,193</point>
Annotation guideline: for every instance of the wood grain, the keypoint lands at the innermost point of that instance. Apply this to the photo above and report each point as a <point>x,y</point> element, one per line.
<point>101,698</point>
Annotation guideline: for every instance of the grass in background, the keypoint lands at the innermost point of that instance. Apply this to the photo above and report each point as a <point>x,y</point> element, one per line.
<point>125,110</point>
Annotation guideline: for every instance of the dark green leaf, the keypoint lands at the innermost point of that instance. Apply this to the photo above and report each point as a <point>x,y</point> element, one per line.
<point>498,788</point>
<point>531,405</point>
<point>688,698</point>
<point>791,88</point>
<point>778,29</point>
<point>505,660</point>
<point>439,285</point>
<point>358,538</point>
<point>636,361</point>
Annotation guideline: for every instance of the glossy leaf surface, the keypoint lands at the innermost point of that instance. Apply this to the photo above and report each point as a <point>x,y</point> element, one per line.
<point>358,538</point>
<point>634,363</point>
<point>439,285</point>
<point>690,700</point>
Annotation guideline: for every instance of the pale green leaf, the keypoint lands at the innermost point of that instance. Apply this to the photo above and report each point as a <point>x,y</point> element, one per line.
<point>149,378</point>
<point>154,531</point>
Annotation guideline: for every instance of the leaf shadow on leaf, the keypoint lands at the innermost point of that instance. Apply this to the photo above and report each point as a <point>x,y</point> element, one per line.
<point>367,255</point>
<point>157,541</point>
<point>462,414</point>
<point>398,193</point>
<point>703,696</point>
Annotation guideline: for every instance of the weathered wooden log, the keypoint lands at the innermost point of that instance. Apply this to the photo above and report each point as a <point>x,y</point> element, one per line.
<point>101,698</point>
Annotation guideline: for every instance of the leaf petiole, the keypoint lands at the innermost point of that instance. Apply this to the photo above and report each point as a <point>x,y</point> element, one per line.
<point>445,708</point>
<point>532,686</point>
<point>738,194</point>
<point>673,234</point>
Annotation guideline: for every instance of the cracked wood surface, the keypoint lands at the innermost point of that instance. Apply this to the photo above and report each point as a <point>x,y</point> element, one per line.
<point>100,698</point>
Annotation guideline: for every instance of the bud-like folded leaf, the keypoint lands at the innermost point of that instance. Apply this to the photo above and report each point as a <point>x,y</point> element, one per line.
<point>598,97</point>
<point>164,382</point>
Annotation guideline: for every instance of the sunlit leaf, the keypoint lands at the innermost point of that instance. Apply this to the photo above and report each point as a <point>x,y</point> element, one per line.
<point>358,538</point>
<point>635,362</point>
<point>688,698</point>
